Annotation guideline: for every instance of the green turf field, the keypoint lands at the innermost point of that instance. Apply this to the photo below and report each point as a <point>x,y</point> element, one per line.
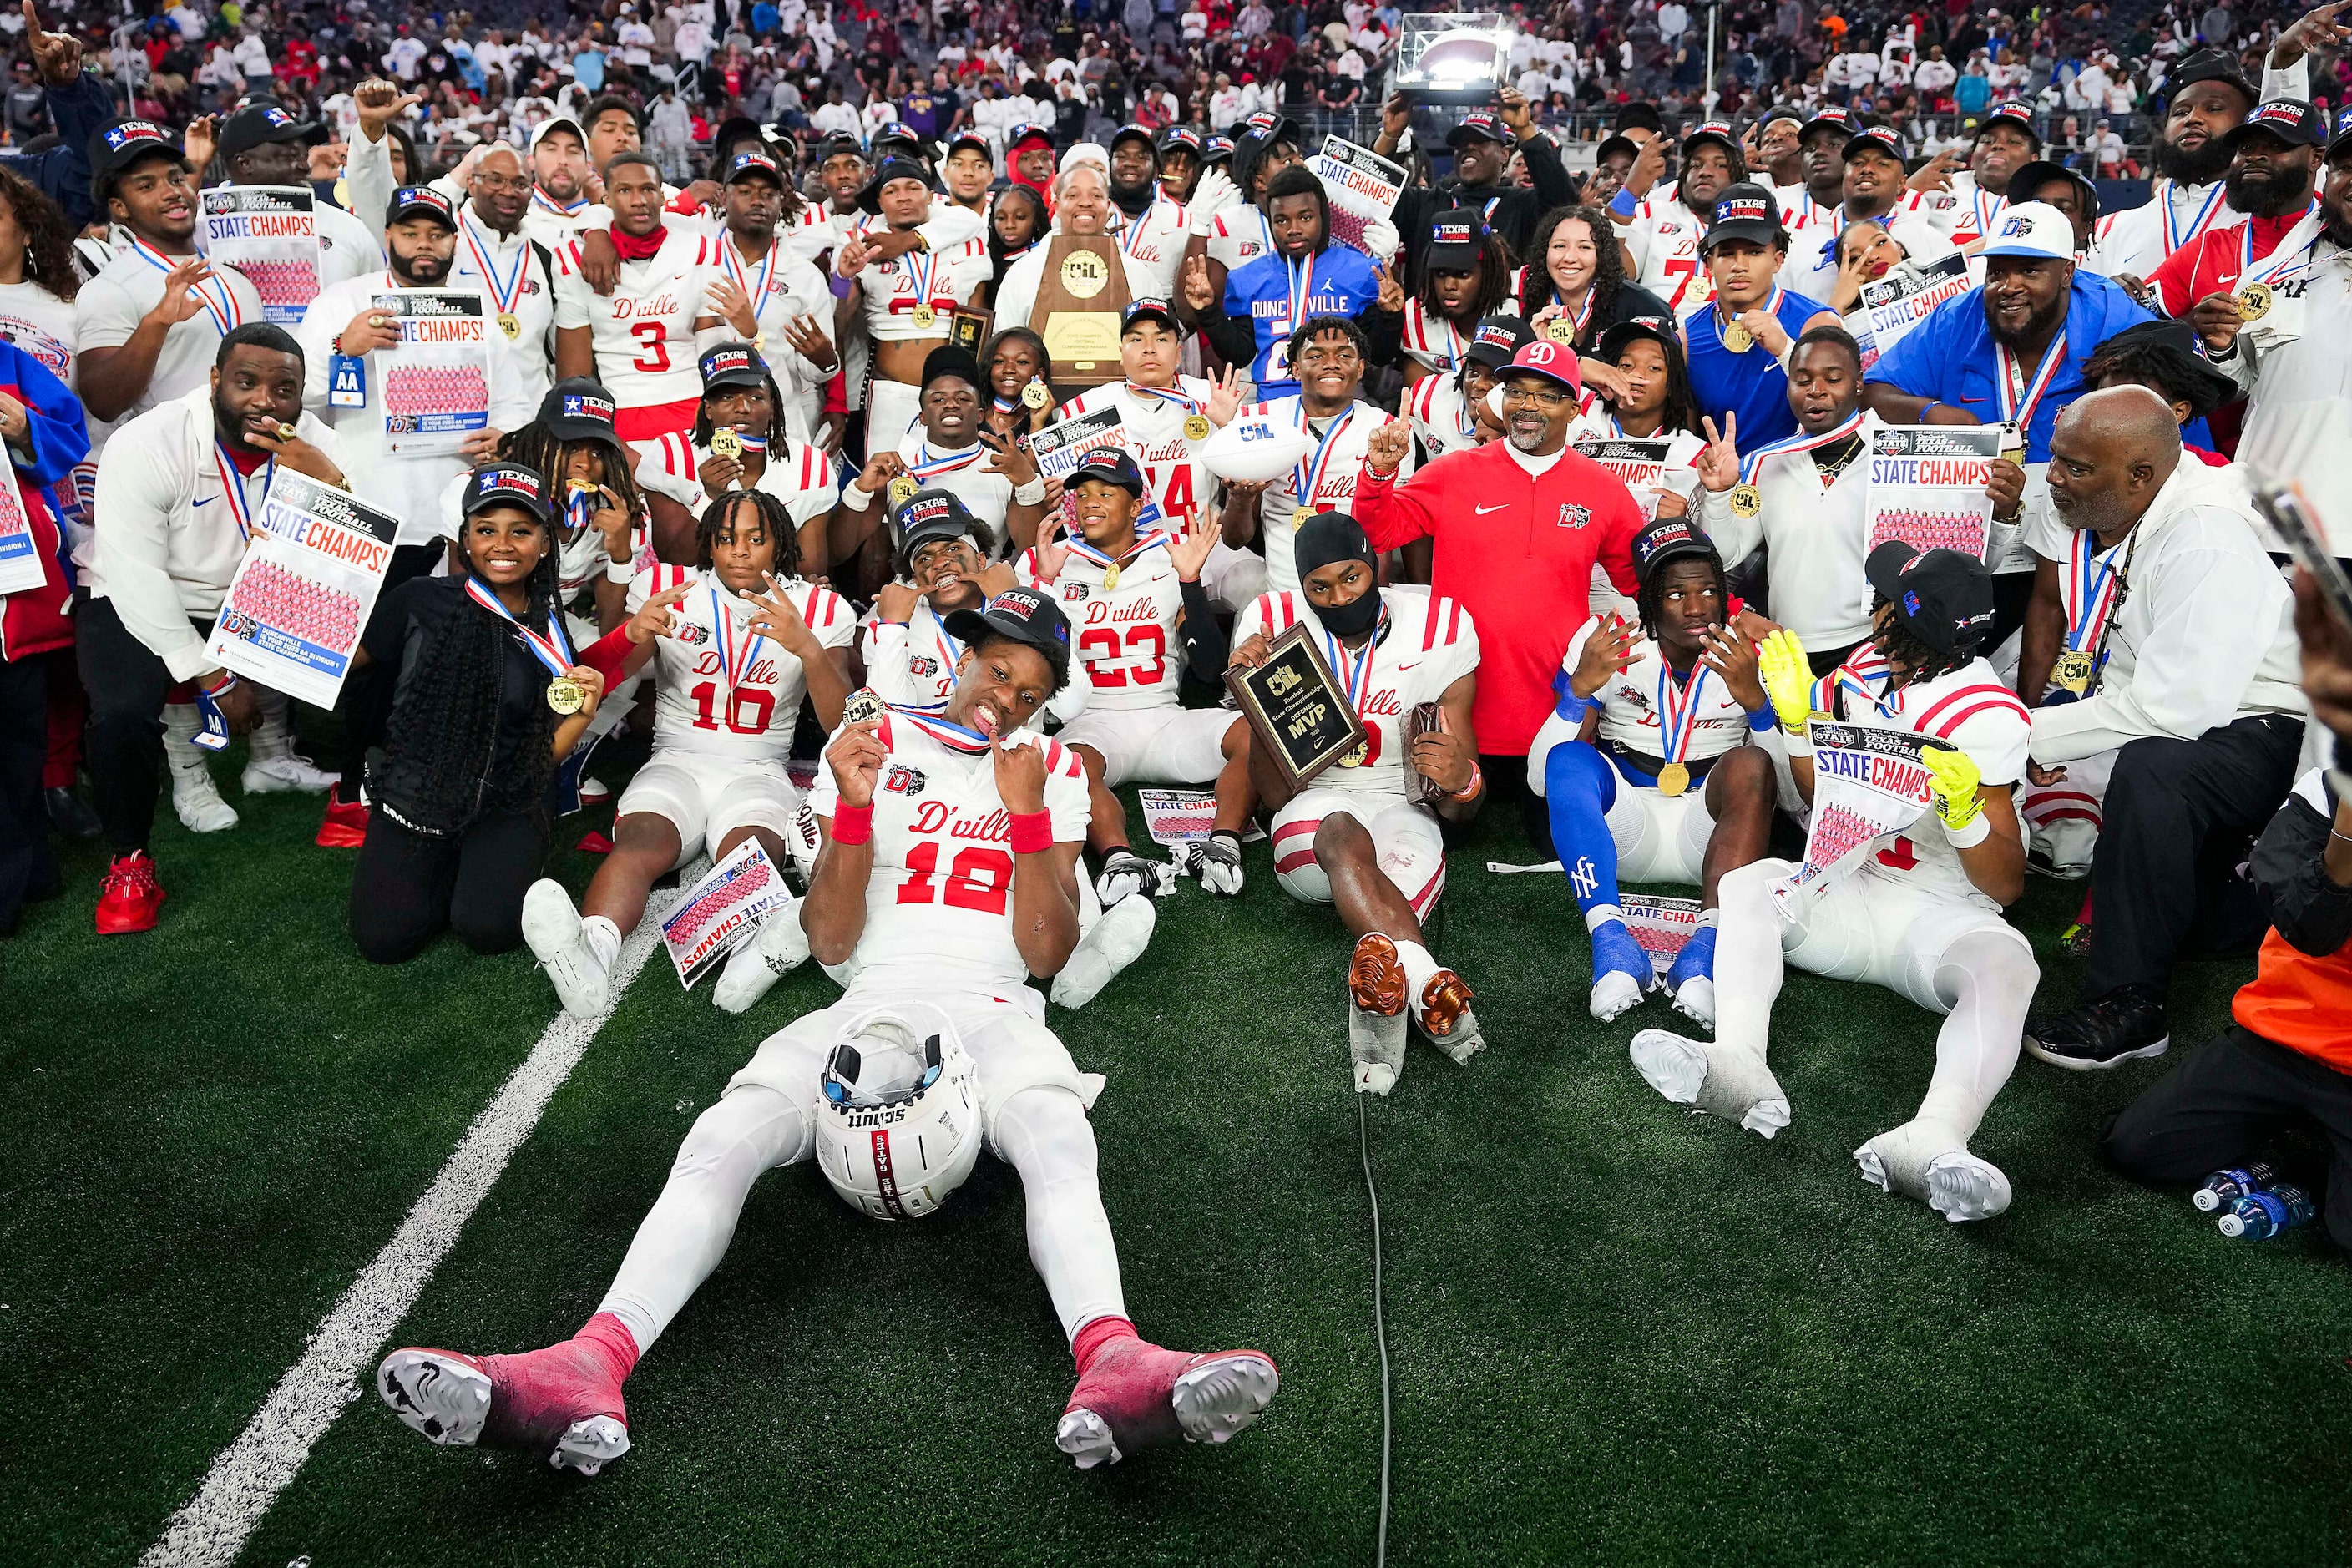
<point>1619,1334</point>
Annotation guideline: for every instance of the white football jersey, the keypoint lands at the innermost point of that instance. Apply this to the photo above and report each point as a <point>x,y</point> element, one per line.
<point>1664,237</point>
<point>945,278</point>
<point>1431,340</point>
<point>911,666</point>
<point>1968,709</point>
<point>939,906</point>
<point>1154,246</point>
<point>1173,479</point>
<point>1425,643</point>
<point>698,708</point>
<point>1330,475</point>
<point>781,286</point>
<point>798,474</point>
<point>1125,639</point>
<point>1631,700</point>
<point>644,330</point>
<point>963,472</point>
<point>1240,235</point>
<point>1439,418</point>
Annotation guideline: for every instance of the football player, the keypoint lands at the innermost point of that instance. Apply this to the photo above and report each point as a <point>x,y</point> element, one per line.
<point>1143,617</point>
<point>1363,835</point>
<point>738,442</point>
<point>948,876</point>
<point>1645,764</point>
<point>639,340</point>
<point>1450,412</point>
<point>906,283</point>
<point>741,638</point>
<point>1919,915</point>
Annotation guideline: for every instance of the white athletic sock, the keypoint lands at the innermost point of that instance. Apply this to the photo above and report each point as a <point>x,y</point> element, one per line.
<point>1708,917</point>
<point>685,1234</point>
<point>1748,965</point>
<point>603,939</point>
<point>180,725</point>
<point>274,736</point>
<point>1043,1135</point>
<point>1418,967</point>
<point>1990,977</point>
<point>1600,915</point>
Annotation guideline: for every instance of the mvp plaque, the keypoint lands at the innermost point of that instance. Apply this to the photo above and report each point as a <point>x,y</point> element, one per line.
<point>1296,707</point>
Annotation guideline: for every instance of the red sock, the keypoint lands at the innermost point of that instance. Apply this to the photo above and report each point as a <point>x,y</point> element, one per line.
<point>1096,1334</point>
<point>611,1337</point>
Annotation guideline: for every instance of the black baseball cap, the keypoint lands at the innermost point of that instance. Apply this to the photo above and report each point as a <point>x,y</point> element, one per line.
<point>1883,139</point>
<point>506,484</point>
<point>2342,141</point>
<point>891,168</point>
<point>1832,117</point>
<point>579,409</point>
<point>1943,597</point>
<point>1639,116</point>
<point>1023,617</point>
<point>1669,538</point>
<point>1497,340</point>
<point>1793,115</point>
<point>411,200</point>
<point>1217,149</point>
<point>927,515</point>
<point>733,364</point>
<point>1266,127</point>
<point>265,124</point>
<point>1479,125</point>
<point>1179,138</point>
<point>1112,466</point>
<point>1024,136</point>
<point>1745,211</point>
<point>898,133</point>
<point>1131,132</point>
<point>950,359</point>
<point>1617,144</point>
<point>2210,65</point>
<point>2290,120</point>
<point>1149,309</point>
<point>1712,130</point>
<point>2180,360</point>
<point>2031,177</point>
<point>1657,329</point>
<point>839,145</point>
<point>973,139</point>
<point>1457,236</point>
<point>114,148</point>
<point>754,163</point>
<point>2010,112</point>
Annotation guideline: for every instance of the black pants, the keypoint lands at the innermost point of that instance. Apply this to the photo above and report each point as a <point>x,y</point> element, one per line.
<point>2177,819</point>
<point>365,702</point>
<point>408,888</point>
<point>2227,1105</point>
<point>25,862</point>
<point>2011,593</point>
<point>1507,785</point>
<point>124,754</point>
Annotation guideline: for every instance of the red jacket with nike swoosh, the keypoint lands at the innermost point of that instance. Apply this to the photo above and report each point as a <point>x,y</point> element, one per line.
<point>1517,553</point>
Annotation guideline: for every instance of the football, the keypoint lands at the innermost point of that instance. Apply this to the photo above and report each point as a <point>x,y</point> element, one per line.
<point>1254,448</point>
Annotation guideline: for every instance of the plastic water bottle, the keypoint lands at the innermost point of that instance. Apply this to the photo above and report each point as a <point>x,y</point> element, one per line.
<point>2225,1187</point>
<point>2258,1216</point>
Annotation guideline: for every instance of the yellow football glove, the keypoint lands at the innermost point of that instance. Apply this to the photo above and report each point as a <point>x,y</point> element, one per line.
<point>1952,781</point>
<point>1787,678</point>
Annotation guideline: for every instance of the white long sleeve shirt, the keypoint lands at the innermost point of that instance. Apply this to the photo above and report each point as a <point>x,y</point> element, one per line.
<point>2205,632</point>
<point>2299,393</point>
<point>1818,538</point>
<point>167,546</point>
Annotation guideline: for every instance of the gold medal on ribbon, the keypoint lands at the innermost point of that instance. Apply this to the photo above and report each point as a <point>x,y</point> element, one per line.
<point>1298,518</point>
<point>925,316</point>
<point>2073,672</point>
<point>511,324</point>
<point>1747,500</point>
<point>1355,759</point>
<point>902,491</point>
<point>1196,428</point>
<point>726,443</point>
<point>1111,577</point>
<point>863,704</point>
<point>566,696</point>
<point>1036,395</point>
<point>1560,329</point>
<point>1672,779</point>
<point>2254,301</point>
<point>1737,338</point>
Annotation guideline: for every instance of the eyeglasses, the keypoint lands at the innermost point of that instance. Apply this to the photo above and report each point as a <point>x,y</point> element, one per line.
<point>1543,398</point>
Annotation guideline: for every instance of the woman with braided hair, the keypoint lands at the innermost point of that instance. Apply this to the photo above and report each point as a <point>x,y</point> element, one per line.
<point>490,698</point>
<point>741,638</point>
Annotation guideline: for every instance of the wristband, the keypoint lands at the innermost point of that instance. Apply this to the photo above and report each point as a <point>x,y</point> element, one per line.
<point>1469,792</point>
<point>1032,831</point>
<point>1797,742</point>
<point>1573,707</point>
<point>1978,829</point>
<point>1624,203</point>
<point>852,824</point>
<point>854,499</point>
<point>621,571</point>
<point>228,679</point>
<point>1921,418</point>
<point>1031,494</point>
<point>1759,722</point>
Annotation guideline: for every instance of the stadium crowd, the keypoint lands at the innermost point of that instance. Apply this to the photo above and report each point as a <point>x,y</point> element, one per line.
<point>1774,451</point>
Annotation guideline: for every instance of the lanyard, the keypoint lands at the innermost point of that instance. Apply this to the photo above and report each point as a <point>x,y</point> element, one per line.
<point>2092,587</point>
<point>1190,405</point>
<point>1800,442</point>
<point>1302,287</point>
<point>219,298</point>
<point>946,731</point>
<point>2174,237</point>
<point>233,490</point>
<point>1679,710</point>
<point>1583,312</point>
<point>506,293</point>
<point>923,266</point>
<point>1308,477</point>
<point>732,262</point>
<point>2291,255</point>
<point>547,204</point>
<point>926,466</point>
<point>1450,355</point>
<point>1358,665</point>
<point>2019,399</point>
<point>1770,307</point>
<point>736,653</point>
<point>1130,236</point>
<point>1984,215</point>
<point>553,650</point>
<point>1103,559</point>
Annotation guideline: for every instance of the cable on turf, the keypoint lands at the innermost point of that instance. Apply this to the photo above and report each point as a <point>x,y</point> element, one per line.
<point>1380,1331</point>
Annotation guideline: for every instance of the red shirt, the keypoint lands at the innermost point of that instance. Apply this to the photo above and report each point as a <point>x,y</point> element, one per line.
<point>2211,265</point>
<point>1517,553</point>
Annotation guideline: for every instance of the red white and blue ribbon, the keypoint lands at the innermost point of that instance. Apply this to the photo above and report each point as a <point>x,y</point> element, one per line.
<point>738,645</point>
<point>2294,252</point>
<point>1181,399</point>
<point>1800,442</point>
<point>1770,307</point>
<point>1103,559</point>
<point>1421,328</point>
<point>553,650</point>
<point>945,730</point>
<point>218,297</point>
<point>1679,710</point>
<point>2020,398</point>
<point>506,293</point>
<point>1131,234</point>
<point>1358,665</point>
<point>1978,197</point>
<point>1302,287</point>
<point>1308,477</point>
<point>240,509</point>
<point>1583,312</point>
<point>547,204</point>
<point>731,262</point>
<point>923,266</point>
<point>2174,236</point>
<point>2090,586</point>
<point>926,466</point>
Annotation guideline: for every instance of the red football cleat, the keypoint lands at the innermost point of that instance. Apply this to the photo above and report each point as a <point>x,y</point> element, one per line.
<point>563,1401</point>
<point>345,825</point>
<point>1134,1395</point>
<point>129,897</point>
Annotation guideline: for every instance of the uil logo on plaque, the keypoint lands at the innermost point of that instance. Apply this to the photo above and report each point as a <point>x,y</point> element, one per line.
<point>1085,273</point>
<point>1081,294</point>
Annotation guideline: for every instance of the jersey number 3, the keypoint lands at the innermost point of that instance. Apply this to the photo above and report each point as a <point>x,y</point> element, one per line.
<point>654,336</point>
<point>980,879</point>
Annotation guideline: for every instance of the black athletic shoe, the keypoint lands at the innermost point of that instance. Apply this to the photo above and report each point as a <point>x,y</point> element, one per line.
<point>2123,1025</point>
<point>70,816</point>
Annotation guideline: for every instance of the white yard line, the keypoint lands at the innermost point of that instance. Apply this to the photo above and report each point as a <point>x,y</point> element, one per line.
<point>247,1476</point>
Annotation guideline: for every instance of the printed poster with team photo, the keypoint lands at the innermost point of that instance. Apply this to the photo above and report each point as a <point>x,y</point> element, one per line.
<point>269,233</point>
<point>302,595</point>
<point>1892,306</point>
<point>1638,465</point>
<point>437,379</point>
<point>1363,187</point>
<point>21,566</point>
<point>1867,783</point>
<point>1926,487</point>
<point>1060,447</point>
<point>721,909</point>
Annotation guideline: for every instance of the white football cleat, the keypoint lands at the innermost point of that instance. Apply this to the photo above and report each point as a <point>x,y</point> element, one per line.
<point>1115,940</point>
<point>1722,1080</point>
<point>1614,993</point>
<point>552,929</point>
<point>1218,863</point>
<point>1922,1161</point>
<point>559,1400</point>
<point>1136,1395</point>
<point>197,800</point>
<point>775,950</point>
<point>284,771</point>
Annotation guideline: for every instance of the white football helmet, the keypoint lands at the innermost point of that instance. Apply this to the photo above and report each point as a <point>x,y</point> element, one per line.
<point>898,1117</point>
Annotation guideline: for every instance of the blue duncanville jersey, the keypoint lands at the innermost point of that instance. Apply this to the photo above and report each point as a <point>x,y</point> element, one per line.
<point>1340,283</point>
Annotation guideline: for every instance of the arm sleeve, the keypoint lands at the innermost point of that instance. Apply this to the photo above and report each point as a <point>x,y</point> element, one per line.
<point>64,173</point>
<point>2311,912</point>
<point>1205,647</point>
<point>1554,186</point>
<point>367,174</point>
<point>2292,81</point>
<point>1234,337</point>
<point>133,516</point>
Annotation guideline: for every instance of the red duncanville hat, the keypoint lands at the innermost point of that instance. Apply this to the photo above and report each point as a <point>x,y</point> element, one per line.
<point>1553,361</point>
